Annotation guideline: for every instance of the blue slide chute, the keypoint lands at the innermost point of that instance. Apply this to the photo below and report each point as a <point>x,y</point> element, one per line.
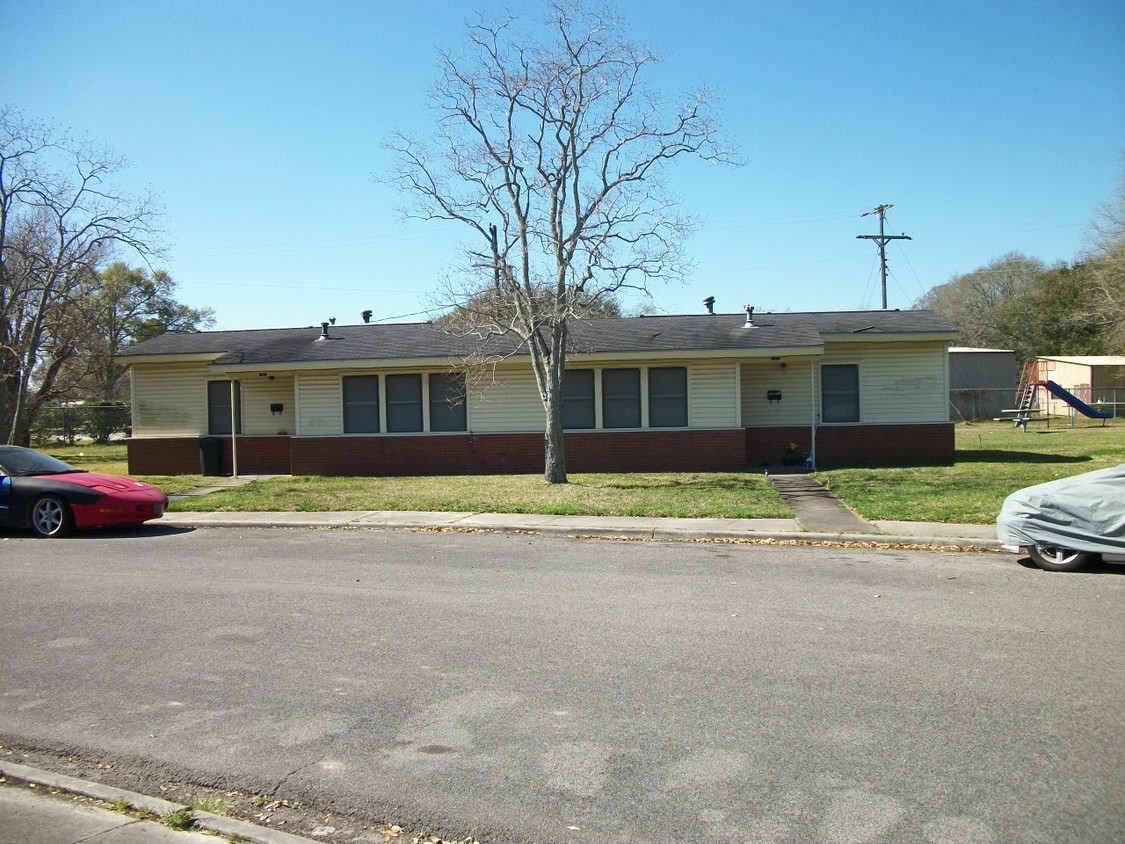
<point>1073,400</point>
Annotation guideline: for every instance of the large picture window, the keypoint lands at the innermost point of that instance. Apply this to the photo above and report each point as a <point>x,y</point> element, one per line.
<point>361,404</point>
<point>621,398</point>
<point>578,398</point>
<point>218,407</point>
<point>404,403</point>
<point>839,393</point>
<point>667,397</point>
<point>447,402</point>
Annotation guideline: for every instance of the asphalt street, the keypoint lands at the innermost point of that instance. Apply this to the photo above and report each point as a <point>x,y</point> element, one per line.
<point>523,688</point>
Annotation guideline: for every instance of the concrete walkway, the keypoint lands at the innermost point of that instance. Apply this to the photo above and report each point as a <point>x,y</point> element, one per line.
<point>817,509</point>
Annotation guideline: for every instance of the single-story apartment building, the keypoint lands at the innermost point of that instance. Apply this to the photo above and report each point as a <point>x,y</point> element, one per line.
<point>708,392</point>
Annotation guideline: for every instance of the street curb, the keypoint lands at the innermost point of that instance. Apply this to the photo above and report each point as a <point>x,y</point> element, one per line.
<point>650,534</point>
<point>204,821</point>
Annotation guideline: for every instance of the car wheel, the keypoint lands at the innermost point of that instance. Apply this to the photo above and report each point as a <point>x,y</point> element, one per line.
<point>1049,558</point>
<point>51,517</point>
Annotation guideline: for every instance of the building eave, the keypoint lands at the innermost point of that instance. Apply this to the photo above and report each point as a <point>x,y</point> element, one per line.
<point>198,357</point>
<point>901,337</point>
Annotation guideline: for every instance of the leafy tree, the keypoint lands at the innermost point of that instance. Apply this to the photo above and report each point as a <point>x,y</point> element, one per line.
<point>549,148</point>
<point>993,306</point>
<point>128,305</point>
<point>60,219</point>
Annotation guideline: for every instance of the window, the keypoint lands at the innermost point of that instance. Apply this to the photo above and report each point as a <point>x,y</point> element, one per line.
<point>218,406</point>
<point>361,404</point>
<point>839,393</point>
<point>578,398</point>
<point>621,398</point>
<point>404,403</point>
<point>667,397</point>
<point>447,402</point>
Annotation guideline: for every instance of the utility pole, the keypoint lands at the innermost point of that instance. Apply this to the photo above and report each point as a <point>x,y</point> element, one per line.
<point>882,239</point>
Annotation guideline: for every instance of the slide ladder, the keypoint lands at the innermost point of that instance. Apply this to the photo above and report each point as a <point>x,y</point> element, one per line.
<point>1026,406</point>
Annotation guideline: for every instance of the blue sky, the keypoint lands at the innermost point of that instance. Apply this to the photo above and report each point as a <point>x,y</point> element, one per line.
<point>991,127</point>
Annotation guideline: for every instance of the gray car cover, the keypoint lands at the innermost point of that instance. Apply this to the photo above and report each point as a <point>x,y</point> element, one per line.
<point>1083,513</point>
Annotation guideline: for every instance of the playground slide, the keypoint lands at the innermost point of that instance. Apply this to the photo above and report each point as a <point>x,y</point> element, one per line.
<point>1073,400</point>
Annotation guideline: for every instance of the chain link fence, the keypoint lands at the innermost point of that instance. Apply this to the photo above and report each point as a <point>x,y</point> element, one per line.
<point>978,405</point>
<point>71,423</point>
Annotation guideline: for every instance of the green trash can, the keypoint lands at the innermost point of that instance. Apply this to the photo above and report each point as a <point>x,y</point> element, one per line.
<point>210,456</point>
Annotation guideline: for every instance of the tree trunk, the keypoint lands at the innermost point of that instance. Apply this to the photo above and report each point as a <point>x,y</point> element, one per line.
<point>554,445</point>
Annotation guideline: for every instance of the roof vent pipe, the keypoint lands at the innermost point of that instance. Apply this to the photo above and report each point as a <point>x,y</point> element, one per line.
<point>323,331</point>
<point>366,315</point>
<point>709,304</point>
<point>749,317</point>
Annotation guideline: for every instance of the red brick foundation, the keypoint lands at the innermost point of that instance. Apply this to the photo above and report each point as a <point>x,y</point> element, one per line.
<point>729,450</point>
<point>181,456</point>
<point>885,445</point>
<point>173,456</point>
<point>484,454</point>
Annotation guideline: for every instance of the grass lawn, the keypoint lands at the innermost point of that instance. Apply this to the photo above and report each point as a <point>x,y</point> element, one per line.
<point>993,459</point>
<point>683,495</point>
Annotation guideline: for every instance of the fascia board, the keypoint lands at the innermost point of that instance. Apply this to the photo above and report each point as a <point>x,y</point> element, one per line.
<point>336,365</point>
<point>198,357</point>
<point>521,360</point>
<point>699,354</point>
<point>904,337</point>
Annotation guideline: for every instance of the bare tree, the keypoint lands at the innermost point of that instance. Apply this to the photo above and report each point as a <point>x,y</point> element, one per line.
<point>59,220</point>
<point>1105,270</point>
<point>550,147</point>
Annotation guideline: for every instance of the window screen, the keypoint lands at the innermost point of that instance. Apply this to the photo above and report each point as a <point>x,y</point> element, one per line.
<point>839,393</point>
<point>667,397</point>
<point>578,398</point>
<point>404,403</point>
<point>621,398</point>
<point>361,404</point>
<point>447,402</point>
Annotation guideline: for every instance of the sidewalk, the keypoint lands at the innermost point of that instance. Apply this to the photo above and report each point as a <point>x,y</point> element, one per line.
<point>818,516</point>
<point>48,814</point>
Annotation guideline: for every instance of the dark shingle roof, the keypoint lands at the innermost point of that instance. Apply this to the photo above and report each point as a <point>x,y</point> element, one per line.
<point>404,341</point>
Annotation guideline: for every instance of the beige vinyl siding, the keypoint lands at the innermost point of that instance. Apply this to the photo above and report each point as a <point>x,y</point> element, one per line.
<point>1075,378</point>
<point>713,394</point>
<point>170,401</point>
<point>761,375</point>
<point>320,405</point>
<point>257,395</point>
<point>507,401</point>
<point>898,383</point>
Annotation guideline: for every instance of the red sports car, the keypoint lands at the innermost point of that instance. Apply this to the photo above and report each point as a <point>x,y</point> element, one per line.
<point>53,498</point>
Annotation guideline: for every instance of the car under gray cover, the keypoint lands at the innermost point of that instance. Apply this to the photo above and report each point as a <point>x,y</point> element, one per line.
<point>1065,522</point>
